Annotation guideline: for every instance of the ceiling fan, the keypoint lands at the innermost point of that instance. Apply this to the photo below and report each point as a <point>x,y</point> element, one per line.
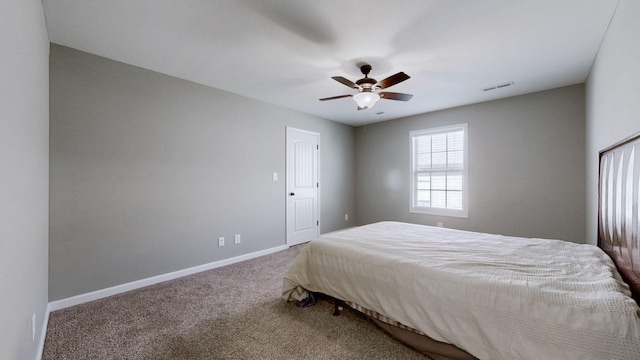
<point>368,88</point>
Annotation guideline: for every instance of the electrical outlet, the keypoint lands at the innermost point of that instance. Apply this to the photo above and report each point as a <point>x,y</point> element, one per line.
<point>236,239</point>
<point>221,241</point>
<point>439,224</point>
<point>346,217</point>
<point>33,327</point>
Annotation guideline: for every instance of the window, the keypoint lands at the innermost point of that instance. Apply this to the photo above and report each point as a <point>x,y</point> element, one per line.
<point>439,171</point>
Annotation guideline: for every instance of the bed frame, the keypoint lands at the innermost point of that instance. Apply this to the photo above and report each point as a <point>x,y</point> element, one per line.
<point>618,209</point>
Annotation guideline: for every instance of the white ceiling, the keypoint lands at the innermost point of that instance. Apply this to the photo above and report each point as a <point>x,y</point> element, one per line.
<point>284,52</point>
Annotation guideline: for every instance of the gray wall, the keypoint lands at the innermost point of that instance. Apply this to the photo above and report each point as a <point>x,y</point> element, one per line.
<point>24,158</point>
<point>148,170</point>
<point>526,166</point>
<point>613,97</point>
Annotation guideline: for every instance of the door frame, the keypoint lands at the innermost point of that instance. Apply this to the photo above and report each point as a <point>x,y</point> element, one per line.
<point>286,193</point>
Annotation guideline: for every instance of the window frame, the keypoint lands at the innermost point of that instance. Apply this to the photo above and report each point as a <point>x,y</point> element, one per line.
<point>462,213</point>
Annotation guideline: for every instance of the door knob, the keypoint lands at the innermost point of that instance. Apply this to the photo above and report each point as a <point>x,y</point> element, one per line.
<point>291,194</point>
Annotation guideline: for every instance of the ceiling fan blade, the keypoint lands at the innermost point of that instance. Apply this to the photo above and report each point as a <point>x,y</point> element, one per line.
<point>335,97</point>
<point>395,96</point>
<point>344,81</point>
<point>392,80</point>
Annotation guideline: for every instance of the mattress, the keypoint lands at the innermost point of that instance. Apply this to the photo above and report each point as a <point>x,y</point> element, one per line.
<point>496,297</point>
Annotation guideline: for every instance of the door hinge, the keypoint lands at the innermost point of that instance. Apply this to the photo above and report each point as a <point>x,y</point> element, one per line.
<point>317,147</point>
<point>318,222</point>
<point>317,185</point>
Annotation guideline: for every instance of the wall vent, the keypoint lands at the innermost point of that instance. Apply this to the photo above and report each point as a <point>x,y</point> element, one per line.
<point>498,86</point>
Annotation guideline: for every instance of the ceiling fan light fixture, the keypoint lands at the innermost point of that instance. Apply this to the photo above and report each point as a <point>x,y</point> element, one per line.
<point>366,100</point>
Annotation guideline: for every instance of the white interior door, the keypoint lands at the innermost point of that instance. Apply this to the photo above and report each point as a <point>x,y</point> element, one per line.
<point>303,220</point>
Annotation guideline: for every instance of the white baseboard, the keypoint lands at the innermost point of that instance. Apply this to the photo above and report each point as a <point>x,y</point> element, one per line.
<point>99,294</point>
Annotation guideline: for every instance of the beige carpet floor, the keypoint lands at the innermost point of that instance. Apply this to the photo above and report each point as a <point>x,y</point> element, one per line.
<point>233,312</point>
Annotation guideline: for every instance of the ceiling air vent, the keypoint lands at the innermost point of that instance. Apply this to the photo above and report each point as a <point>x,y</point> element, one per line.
<point>498,86</point>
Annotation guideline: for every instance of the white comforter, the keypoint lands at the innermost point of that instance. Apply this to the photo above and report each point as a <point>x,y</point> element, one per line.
<point>494,296</point>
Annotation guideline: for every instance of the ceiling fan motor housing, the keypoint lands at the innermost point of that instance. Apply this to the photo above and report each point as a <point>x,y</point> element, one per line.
<point>366,83</point>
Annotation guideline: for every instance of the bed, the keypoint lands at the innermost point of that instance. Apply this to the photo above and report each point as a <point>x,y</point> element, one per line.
<point>456,294</point>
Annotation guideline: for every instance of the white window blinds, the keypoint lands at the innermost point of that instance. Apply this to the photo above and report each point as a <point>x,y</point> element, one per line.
<point>439,171</point>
